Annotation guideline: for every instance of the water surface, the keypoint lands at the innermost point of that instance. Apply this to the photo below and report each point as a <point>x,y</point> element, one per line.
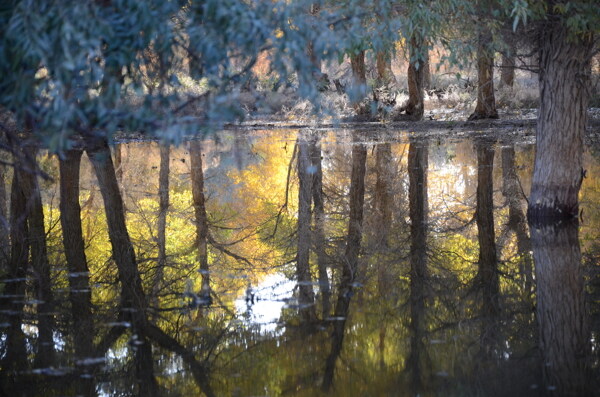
<point>303,263</point>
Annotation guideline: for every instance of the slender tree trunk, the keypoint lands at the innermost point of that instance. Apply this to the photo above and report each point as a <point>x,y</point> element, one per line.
<point>359,82</point>
<point>40,263</point>
<point>564,97</point>
<point>486,100</point>
<point>418,203</point>
<point>319,226</point>
<point>561,312</point>
<point>487,275</point>
<point>306,298</point>
<point>14,359</point>
<point>4,221</point>
<point>426,71</point>
<point>163,209</point>
<point>415,107</point>
<point>385,76</point>
<point>133,299</point>
<point>80,293</point>
<point>507,72</point>
<point>144,369</point>
<point>201,217</point>
<point>383,193</point>
<point>350,261</point>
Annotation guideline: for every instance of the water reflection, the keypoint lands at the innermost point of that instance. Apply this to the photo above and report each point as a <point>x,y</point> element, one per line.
<point>293,263</point>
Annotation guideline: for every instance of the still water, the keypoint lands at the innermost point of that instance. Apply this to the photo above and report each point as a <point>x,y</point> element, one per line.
<point>296,263</point>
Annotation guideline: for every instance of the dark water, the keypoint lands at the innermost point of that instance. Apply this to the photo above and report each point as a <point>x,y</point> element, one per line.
<point>297,264</point>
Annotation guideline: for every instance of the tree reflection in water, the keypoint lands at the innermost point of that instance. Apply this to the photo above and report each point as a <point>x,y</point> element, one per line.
<point>404,287</point>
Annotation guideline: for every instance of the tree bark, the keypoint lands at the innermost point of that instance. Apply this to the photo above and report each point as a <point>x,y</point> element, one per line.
<point>415,107</point>
<point>507,71</point>
<point>350,261</point>
<point>383,193</point>
<point>487,275</point>
<point>80,293</point>
<point>564,96</point>
<point>319,226</point>
<point>201,219</point>
<point>306,298</point>
<point>561,312</point>
<point>133,299</point>
<point>4,221</point>
<point>426,71</point>
<point>385,76</point>
<point>418,203</point>
<point>39,262</point>
<point>163,209</point>
<point>359,82</point>
<point>486,100</point>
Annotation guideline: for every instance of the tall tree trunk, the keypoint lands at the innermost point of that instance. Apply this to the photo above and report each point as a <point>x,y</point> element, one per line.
<point>426,70</point>
<point>415,107</point>
<point>163,209</point>
<point>561,313</point>
<point>319,226</point>
<point>350,261</point>
<point>201,218</point>
<point>133,299</point>
<point>322,79</point>
<point>359,82</point>
<point>418,203</point>
<point>306,298</point>
<point>487,275</point>
<point>486,100</point>
<point>80,293</point>
<point>507,71</point>
<point>4,221</point>
<point>383,193</point>
<point>14,360</point>
<point>385,76</point>
<point>564,96</point>
<point>39,262</point>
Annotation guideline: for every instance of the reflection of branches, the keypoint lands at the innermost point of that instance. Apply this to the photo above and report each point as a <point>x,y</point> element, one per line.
<point>224,250</point>
<point>287,189</point>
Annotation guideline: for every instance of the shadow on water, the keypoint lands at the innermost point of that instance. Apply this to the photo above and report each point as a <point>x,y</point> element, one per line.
<point>294,263</point>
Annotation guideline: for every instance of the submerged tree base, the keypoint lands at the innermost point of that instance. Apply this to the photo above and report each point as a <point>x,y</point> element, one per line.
<point>542,215</point>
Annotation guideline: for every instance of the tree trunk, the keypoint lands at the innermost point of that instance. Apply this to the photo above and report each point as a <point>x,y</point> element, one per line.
<point>426,71</point>
<point>163,209</point>
<point>13,294</point>
<point>383,193</point>
<point>418,203</point>
<point>359,83</point>
<point>319,226</point>
<point>4,221</point>
<point>564,96</point>
<point>486,100</point>
<point>39,262</point>
<point>350,261</point>
<point>199,201</point>
<point>507,73</point>
<point>561,314</point>
<point>415,107</point>
<point>133,298</point>
<point>306,298</point>
<point>487,275</point>
<point>385,76</point>
<point>80,293</point>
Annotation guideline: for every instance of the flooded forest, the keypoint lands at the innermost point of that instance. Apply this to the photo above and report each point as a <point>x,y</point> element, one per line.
<point>299,198</point>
